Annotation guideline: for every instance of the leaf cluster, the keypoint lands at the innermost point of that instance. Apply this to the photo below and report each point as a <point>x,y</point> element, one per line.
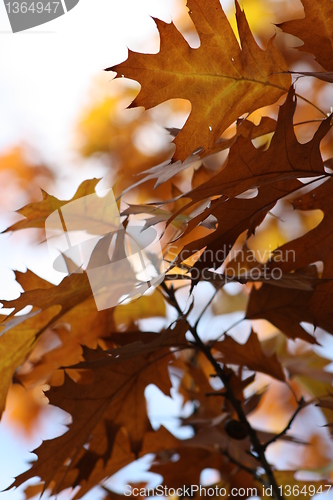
<point>264,171</point>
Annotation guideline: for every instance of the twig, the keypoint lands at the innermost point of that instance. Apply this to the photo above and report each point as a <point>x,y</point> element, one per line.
<point>301,404</point>
<point>222,394</point>
<point>253,472</point>
<point>205,309</point>
<point>310,103</point>
<point>212,342</point>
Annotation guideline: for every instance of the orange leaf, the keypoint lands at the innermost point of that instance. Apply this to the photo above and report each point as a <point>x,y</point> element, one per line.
<point>221,80</point>
<point>315,30</point>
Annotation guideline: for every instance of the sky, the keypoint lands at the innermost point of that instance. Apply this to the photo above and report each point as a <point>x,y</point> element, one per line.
<point>46,71</point>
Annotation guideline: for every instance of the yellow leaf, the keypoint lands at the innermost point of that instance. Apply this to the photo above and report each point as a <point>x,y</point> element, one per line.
<point>147,306</point>
<point>16,343</point>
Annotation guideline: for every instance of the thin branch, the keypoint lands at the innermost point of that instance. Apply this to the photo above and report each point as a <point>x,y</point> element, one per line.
<point>293,392</point>
<point>258,449</point>
<point>205,308</point>
<point>253,472</point>
<point>212,342</point>
<point>222,394</point>
<point>311,103</point>
<point>301,405</point>
<point>306,122</point>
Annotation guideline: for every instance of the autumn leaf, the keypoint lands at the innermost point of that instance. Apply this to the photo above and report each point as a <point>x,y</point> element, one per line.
<point>237,79</point>
<point>31,281</point>
<point>36,213</point>
<point>315,30</point>
<point>284,308</point>
<point>83,476</point>
<point>17,339</point>
<point>73,290</point>
<point>238,216</point>
<point>87,477</point>
<point>246,168</point>
<point>316,245</point>
<point>185,465</point>
<point>250,355</point>
<point>99,414</point>
<point>286,158</point>
<point>182,466</point>
<point>51,303</point>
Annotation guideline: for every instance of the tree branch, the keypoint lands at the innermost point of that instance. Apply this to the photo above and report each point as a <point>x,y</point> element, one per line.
<point>258,448</point>
<point>301,404</point>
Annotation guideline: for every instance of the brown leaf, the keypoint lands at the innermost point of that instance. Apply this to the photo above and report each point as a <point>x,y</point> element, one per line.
<point>249,354</point>
<point>171,337</point>
<point>316,245</point>
<point>235,216</point>
<point>248,167</point>
<point>91,469</point>
<point>315,30</point>
<point>73,290</point>
<point>237,80</point>
<point>285,309</point>
<point>185,464</point>
<point>114,400</point>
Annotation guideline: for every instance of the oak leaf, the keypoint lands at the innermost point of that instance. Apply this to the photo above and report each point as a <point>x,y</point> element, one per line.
<point>286,158</point>
<point>36,213</point>
<point>235,79</point>
<point>284,308</point>
<point>249,354</point>
<point>316,245</point>
<point>315,30</point>
<point>113,401</point>
<point>99,410</point>
<point>234,217</point>
<point>73,290</point>
<point>17,340</point>
<point>246,168</point>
